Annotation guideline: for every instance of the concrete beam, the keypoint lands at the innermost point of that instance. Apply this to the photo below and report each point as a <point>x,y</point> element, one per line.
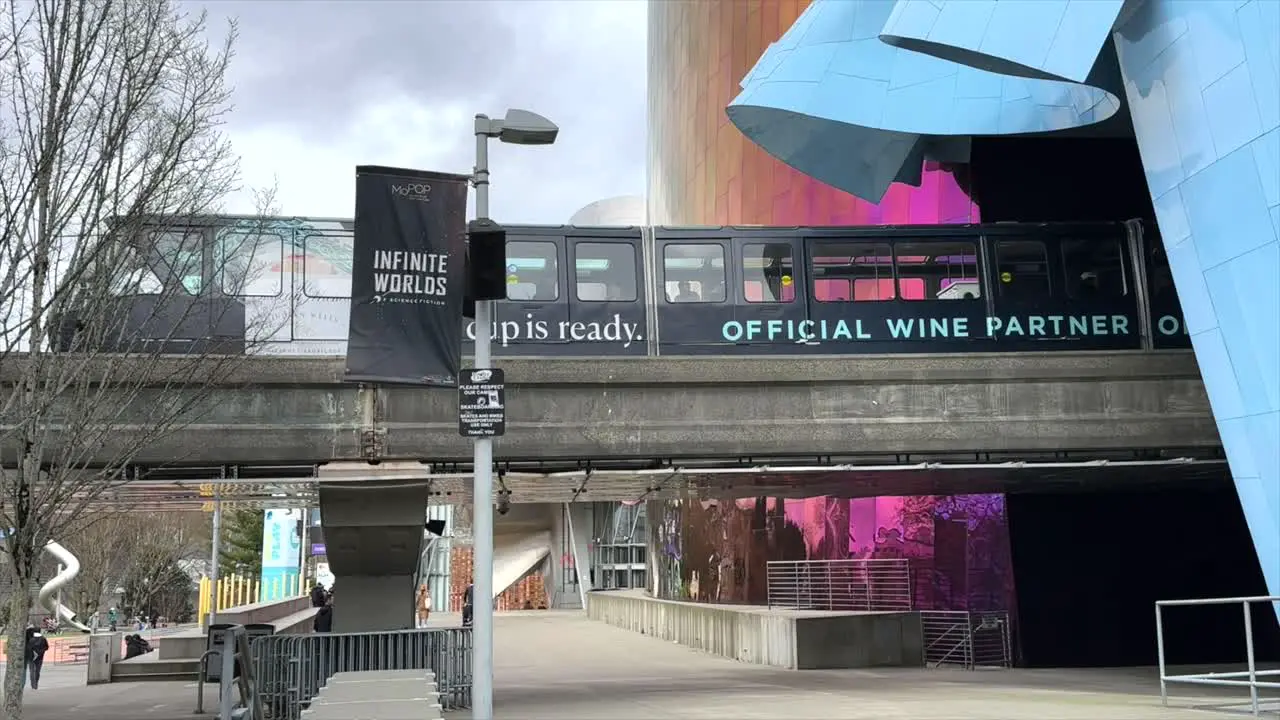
<point>373,535</point>
<point>275,410</point>
<point>265,370</point>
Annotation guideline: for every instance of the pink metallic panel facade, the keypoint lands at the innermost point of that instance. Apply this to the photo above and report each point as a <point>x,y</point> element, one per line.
<point>702,171</point>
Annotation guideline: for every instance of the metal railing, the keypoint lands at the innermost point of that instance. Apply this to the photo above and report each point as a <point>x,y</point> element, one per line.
<point>848,585</point>
<point>291,669</point>
<point>1251,677</point>
<point>966,639</point>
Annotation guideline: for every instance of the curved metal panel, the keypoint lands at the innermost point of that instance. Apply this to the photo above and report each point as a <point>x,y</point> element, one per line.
<point>833,101</point>
<point>702,171</point>
<point>1047,39</point>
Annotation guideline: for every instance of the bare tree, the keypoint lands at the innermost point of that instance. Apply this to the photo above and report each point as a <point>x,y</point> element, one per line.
<point>156,562</point>
<point>116,549</point>
<point>103,548</point>
<point>111,152</point>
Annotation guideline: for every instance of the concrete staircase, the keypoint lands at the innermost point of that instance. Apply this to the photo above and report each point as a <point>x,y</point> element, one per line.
<point>151,667</point>
<point>377,695</point>
<point>567,601</point>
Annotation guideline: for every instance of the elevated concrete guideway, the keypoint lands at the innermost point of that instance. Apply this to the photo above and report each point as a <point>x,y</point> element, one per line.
<point>297,411</point>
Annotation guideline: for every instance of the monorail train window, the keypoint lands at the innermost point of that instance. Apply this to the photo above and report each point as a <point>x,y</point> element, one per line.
<point>1160,275</point>
<point>857,272</point>
<point>693,273</point>
<point>251,264</point>
<point>768,273</point>
<point>135,277</point>
<point>325,265</point>
<point>606,272</point>
<point>938,271</point>
<point>533,271</point>
<point>180,259</point>
<point>1022,268</point>
<point>1094,268</point>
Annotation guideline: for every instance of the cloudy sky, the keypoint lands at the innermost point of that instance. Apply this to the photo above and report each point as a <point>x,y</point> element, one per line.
<point>322,86</point>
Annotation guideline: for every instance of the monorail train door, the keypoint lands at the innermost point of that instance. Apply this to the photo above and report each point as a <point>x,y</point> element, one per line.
<point>767,313</point>
<point>690,282</point>
<point>171,308</point>
<point>1063,286</point>
<point>1168,325</point>
<point>537,305</point>
<point>250,270</point>
<point>606,294</point>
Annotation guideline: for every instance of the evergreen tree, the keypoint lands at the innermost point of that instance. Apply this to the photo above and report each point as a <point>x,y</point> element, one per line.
<point>241,551</point>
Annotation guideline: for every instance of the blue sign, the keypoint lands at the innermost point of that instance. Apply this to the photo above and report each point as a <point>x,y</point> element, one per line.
<point>317,549</point>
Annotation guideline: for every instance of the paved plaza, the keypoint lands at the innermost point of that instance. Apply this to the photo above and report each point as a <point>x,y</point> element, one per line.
<point>561,665</point>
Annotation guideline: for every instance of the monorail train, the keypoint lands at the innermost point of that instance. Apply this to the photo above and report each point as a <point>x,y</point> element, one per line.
<point>590,291</point>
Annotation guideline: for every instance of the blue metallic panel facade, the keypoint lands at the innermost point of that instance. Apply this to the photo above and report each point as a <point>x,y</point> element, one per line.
<point>835,102</point>
<point>1202,79</point>
<point>859,92</point>
<point>1033,38</point>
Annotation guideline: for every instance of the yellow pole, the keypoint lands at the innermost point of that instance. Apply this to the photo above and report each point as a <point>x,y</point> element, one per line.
<point>239,590</point>
<point>203,585</point>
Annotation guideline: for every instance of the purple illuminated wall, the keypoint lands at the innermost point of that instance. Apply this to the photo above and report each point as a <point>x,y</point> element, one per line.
<point>716,550</point>
<point>702,171</point>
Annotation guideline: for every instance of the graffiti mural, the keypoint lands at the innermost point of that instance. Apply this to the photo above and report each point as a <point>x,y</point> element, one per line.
<point>717,551</point>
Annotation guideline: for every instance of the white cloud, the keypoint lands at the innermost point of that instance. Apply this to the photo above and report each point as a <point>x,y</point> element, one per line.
<point>324,86</point>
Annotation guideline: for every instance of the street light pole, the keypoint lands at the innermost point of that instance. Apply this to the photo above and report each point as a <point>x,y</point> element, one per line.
<point>482,474</point>
<point>518,127</point>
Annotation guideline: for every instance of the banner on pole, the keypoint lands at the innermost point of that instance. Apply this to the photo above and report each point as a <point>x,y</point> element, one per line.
<point>407,277</point>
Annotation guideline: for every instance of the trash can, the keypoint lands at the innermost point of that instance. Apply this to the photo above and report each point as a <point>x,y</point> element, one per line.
<point>257,630</point>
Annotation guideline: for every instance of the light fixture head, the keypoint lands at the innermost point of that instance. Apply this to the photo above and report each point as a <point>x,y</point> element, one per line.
<point>522,127</point>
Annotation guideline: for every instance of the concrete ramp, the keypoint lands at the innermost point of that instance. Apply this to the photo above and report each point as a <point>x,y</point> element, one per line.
<point>515,554</point>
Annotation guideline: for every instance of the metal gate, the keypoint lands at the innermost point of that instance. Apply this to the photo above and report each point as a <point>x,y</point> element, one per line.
<point>291,669</point>
<point>966,639</point>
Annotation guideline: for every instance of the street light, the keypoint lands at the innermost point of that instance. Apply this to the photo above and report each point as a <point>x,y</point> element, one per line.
<point>519,127</point>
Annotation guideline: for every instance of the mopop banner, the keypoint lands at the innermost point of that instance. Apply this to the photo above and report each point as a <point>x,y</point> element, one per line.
<point>407,277</point>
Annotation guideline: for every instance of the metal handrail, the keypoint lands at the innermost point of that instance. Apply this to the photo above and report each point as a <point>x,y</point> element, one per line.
<point>851,585</point>
<point>1220,679</point>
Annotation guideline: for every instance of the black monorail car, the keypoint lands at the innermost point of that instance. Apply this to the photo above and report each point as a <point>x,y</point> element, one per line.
<point>283,288</point>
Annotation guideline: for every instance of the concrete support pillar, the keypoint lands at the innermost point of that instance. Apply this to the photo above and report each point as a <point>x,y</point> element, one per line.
<point>373,534</point>
<point>579,515</point>
<point>554,578</point>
